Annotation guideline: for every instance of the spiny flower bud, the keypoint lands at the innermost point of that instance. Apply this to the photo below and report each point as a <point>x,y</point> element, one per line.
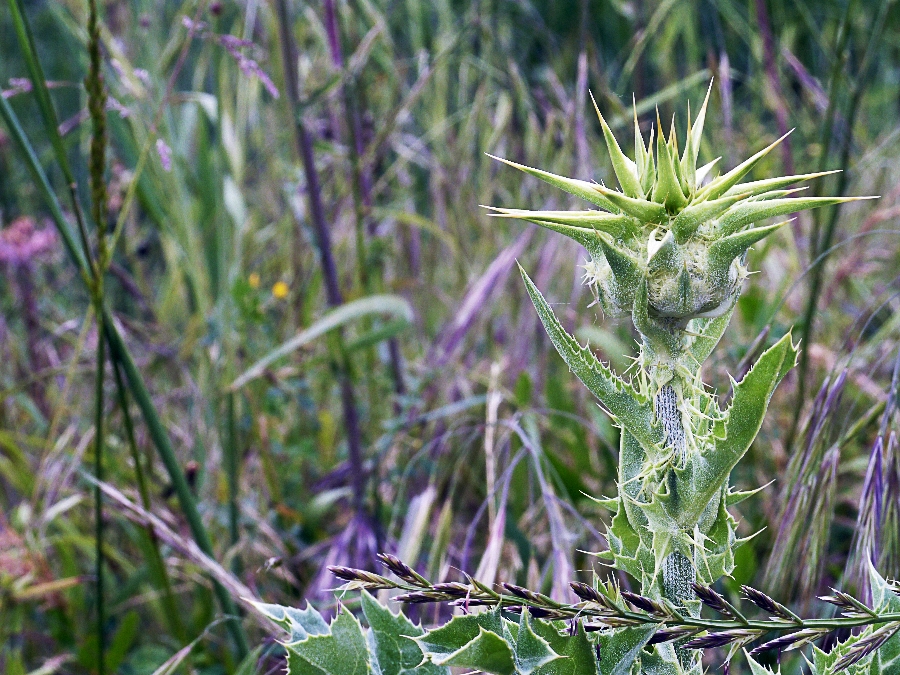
<point>672,225</point>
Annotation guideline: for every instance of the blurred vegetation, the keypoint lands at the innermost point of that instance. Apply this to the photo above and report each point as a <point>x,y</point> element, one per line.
<point>420,410</point>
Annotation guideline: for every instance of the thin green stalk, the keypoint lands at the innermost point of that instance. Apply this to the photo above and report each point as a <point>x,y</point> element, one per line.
<point>233,467</point>
<point>170,606</point>
<point>98,496</point>
<point>119,353</point>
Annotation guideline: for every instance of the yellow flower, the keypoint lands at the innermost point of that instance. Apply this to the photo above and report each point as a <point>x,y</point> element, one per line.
<point>253,280</point>
<point>280,290</point>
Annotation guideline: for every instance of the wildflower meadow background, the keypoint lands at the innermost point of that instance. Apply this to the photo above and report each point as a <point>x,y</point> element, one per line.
<point>254,321</point>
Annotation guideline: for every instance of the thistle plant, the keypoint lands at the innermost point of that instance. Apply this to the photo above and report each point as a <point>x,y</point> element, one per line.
<point>669,249</point>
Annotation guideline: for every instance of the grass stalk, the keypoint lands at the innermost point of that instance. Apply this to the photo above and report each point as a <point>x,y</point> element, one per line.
<point>170,606</point>
<point>821,241</point>
<point>98,497</point>
<point>304,147</point>
<point>119,353</point>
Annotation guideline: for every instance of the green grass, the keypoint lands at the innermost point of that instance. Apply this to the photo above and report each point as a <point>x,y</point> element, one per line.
<point>262,475</point>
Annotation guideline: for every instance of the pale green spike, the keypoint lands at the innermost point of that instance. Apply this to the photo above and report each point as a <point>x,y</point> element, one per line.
<point>626,170</point>
<point>723,252</point>
<point>667,190</point>
<point>752,212</point>
<point>640,152</point>
<point>649,173</point>
<point>704,170</point>
<point>642,209</point>
<point>737,496</point>
<point>697,132</point>
<point>688,169</point>
<point>722,184</point>
<point>579,188</point>
<point>778,194</point>
<point>585,236</point>
<point>624,265</point>
<point>611,223</point>
<point>686,223</point>
<point>757,187</point>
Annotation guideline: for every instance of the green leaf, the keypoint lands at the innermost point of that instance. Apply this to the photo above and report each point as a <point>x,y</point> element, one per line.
<point>626,405</point>
<point>532,651</point>
<point>299,623</point>
<point>487,652</point>
<point>723,252</point>
<point>692,146</point>
<point>755,211</point>
<point>626,170</point>
<point>349,311</point>
<point>459,631</point>
<point>396,653</point>
<point>582,226</point>
<point>621,648</point>
<point>758,187</point>
<point>341,651</point>
<point>579,188</point>
<point>642,209</point>
<point>885,599</point>
<point>704,474</point>
<point>709,332</point>
<point>757,669</point>
<point>577,652</point>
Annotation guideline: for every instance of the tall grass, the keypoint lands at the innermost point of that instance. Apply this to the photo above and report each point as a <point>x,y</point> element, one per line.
<point>276,434</point>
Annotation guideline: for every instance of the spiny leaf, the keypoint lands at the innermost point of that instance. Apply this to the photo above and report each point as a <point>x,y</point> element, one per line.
<point>757,669</point>
<point>619,649</point>
<point>710,331</point>
<point>704,171</point>
<point>630,409</point>
<point>579,188</point>
<point>723,183</point>
<point>460,630</point>
<point>667,257</point>
<point>752,212</point>
<point>577,653</point>
<point>580,224</point>
<point>626,170</point>
<point>395,652</point>
<point>300,623</point>
<point>642,209</point>
<point>624,265</point>
<point>487,652</point>
<point>342,651</point>
<point>692,147</point>
<point>532,651</point>
<point>705,474</point>
<point>758,187</point>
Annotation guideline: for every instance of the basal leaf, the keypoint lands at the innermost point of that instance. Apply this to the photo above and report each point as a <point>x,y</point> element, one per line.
<point>396,653</point>
<point>487,652</point>
<point>341,651</point>
<point>577,652</point>
<point>621,648</point>
<point>531,651</point>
